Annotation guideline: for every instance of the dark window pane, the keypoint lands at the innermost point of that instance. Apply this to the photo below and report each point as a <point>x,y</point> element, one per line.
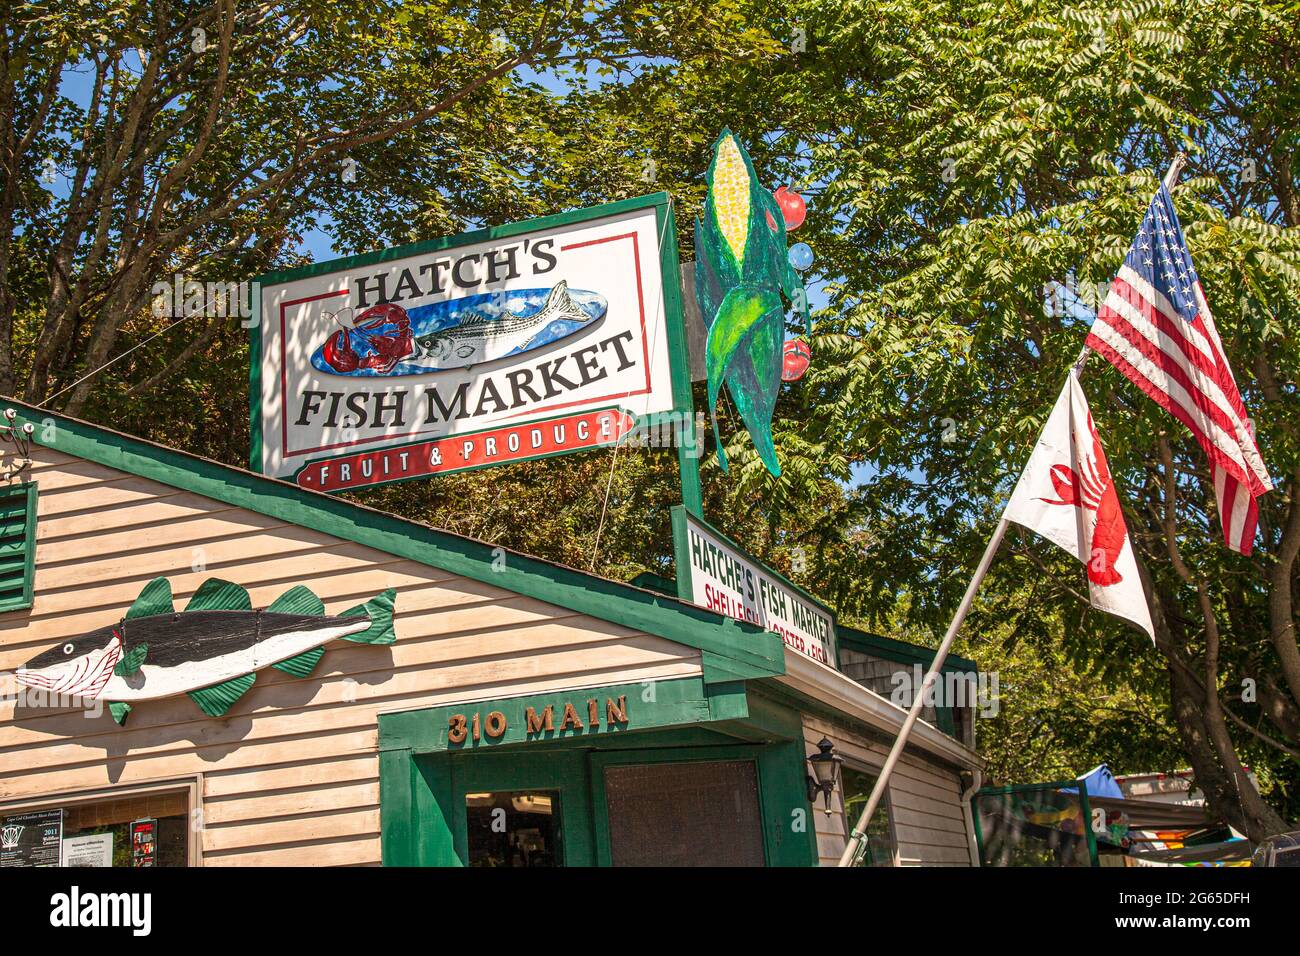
<point>856,786</point>
<point>518,828</point>
<point>697,813</point>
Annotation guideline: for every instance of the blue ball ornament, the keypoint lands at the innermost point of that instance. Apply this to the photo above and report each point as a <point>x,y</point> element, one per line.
<point>801,256</point>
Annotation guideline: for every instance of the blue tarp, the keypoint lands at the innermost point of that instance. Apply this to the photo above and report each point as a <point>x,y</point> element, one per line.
<point>1100,783</point>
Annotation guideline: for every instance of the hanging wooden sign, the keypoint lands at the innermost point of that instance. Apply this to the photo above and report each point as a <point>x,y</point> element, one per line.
<point>529,340</point>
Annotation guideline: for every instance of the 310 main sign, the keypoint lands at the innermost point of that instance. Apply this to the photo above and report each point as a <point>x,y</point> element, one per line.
<point>524,341</point>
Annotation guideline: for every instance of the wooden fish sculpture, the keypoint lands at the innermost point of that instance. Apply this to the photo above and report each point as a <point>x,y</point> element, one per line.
<point>210,651</point>
<point>741,269</point>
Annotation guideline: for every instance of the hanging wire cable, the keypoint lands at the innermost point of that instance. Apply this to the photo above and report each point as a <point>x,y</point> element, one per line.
<point>92,374</point>
<point>609,480</point>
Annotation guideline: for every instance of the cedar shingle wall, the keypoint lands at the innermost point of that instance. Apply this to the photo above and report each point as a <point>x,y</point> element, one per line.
<point>290,775</point>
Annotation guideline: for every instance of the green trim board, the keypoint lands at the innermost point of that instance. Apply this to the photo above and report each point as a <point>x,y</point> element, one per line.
<point>654,582</point>
<point>647,705</point>
<point>423,783</point>
<point>682,519</point>
<point>669,305</point>
<point>688,453</point>
<point>17,545</point>
<point>746,650</point>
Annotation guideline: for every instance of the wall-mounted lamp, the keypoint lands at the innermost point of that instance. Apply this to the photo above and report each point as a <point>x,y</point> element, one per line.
<point>20,436</point>
<point>825,772</point>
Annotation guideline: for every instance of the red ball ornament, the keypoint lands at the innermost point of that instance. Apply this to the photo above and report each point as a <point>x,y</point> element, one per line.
<point>795,356</point>
<point>793,208</point>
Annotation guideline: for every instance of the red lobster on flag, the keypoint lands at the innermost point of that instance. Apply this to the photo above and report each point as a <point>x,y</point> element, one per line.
<point>1091,488</point>
<point>1068,468</point>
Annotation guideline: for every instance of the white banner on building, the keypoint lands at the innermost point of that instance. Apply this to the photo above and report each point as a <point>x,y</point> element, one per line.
<point>714,573</point>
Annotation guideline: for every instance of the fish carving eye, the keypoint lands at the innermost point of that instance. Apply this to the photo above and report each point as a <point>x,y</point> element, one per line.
<point>68,648</point>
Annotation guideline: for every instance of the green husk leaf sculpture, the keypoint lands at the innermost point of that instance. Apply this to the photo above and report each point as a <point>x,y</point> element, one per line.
<point>741,269</point>
<point>210,651</point>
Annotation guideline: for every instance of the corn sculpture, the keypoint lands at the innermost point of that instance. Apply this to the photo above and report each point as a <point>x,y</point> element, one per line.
<point>741,269</point>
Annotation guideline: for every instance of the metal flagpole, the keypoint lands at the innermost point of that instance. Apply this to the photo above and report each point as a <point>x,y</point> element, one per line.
<point>857,837</point>
<point>855,845</point>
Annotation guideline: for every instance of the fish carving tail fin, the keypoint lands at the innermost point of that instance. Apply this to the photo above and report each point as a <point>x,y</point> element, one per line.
<point>380,611</point>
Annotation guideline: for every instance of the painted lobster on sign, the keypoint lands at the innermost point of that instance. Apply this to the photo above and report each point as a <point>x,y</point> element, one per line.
<point>384,335</point>
<point>1093,490</point>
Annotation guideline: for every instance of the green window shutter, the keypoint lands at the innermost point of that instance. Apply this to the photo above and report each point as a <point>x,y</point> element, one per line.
<point>17,545</point>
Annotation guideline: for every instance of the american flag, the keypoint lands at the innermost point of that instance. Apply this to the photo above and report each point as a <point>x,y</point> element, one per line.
<point>1155,326</point>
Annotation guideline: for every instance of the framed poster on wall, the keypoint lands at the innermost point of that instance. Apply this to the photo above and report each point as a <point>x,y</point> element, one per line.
<point>34,838</point>
<point>510,343</point>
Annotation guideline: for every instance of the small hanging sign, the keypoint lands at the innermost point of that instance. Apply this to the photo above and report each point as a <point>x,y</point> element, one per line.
<point>144,842</point>
<point>714,572</point>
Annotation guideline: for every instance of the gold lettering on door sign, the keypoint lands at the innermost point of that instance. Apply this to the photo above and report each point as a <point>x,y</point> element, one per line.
<point>545,722</point>
<point>462,727</point>
<point>571,718</point>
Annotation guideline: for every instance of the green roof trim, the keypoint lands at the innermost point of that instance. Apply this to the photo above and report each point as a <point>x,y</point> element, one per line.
<point>654,582</point>
<point>740,648</point>
<point>890,649</point>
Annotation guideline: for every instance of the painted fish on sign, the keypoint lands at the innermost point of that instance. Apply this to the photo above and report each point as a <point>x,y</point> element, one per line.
<point>388,340</point>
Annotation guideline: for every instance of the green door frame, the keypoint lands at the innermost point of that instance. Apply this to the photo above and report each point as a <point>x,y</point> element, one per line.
<point>507,771</point>
<point>424,777</point>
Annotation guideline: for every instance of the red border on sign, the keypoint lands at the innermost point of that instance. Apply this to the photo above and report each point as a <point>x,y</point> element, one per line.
<point>286,454</point>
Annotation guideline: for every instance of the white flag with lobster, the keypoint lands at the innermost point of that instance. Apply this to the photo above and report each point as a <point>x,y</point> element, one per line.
<point>1066,494</point>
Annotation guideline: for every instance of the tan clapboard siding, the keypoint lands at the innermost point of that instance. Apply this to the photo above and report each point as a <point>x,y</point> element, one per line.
<point>929,825</point>
<point>316,799</point>
<point>312,827</point>
<point>342,769</point>
<point>290,776</point>
<point>118,767</point>
<point>349,851</point>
